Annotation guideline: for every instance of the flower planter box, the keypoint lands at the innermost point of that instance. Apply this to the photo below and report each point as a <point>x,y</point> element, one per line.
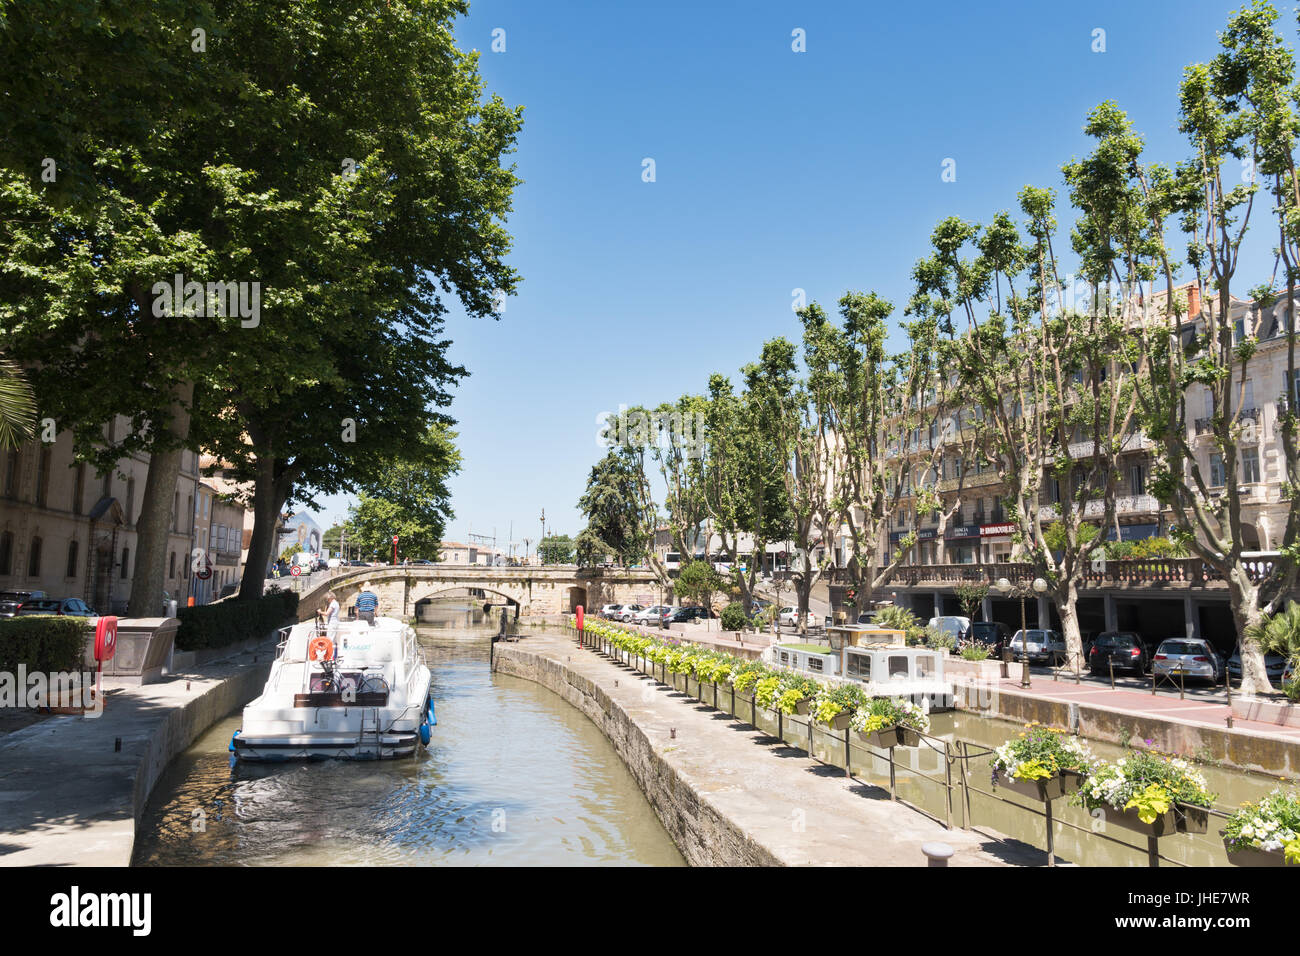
<point>1253,856</point>
<point>839,722</point>
<point>895,736</point>
<point>1163,825</point>
<point>1048,788</point>
<point>1071,781</point>
<point>803,707</point>
<point>1191,819</point>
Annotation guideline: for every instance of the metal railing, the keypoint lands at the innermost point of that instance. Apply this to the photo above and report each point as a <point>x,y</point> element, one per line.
<point>954,785</point>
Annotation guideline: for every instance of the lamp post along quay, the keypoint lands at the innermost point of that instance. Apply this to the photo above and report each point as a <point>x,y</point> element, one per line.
<point>1022,590</point>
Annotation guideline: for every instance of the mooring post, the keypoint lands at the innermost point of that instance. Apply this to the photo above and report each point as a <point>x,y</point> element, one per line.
<point>936,854</point>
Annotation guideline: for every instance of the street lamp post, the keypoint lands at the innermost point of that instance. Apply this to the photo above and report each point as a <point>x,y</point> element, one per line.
<point>1022,590</point>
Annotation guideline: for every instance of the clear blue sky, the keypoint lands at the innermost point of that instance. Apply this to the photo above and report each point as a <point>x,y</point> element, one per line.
<point>775,170</point>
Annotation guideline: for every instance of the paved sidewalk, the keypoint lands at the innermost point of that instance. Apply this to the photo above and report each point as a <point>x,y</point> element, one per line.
<point>69,796</point>
<point>1164,705</point>
<point>800,811</point>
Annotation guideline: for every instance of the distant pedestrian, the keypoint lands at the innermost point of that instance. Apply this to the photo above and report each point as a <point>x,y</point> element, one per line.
<point>367,604</point>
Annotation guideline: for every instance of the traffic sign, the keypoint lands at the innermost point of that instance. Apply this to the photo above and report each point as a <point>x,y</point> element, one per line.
<point>204,574</point>
<point>295,570</point>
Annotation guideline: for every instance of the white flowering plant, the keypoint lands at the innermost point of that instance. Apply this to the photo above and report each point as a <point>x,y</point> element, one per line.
<point>834,699</point>
<point>1147,782</point>
<point>1041,752</point>
<point>883,712</point>
<point>1271,824</point>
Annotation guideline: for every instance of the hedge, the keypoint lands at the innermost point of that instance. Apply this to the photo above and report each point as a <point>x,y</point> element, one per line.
<point>46,643</point>
<point>231,621</point>
<point>734,618</point>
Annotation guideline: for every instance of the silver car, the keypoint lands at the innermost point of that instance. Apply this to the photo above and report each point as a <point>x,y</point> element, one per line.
<point>628,611</point>
<point>1044,645</point>
<point>1187,657</point>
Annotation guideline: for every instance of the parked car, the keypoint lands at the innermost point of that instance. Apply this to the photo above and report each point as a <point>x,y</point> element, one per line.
<point>1190,657</point>
<point>608,611</point>
<point>954,625</point>
<point>629,611</point>
<point>683,615</point>
<point>992,634</point>
<point>1274,664</point>
<point>1122,650</point>
<point>789,617</point>
<point>64,607</point>
<point>11,601</point>
<point>1043,645</point>
<point>652,616</point>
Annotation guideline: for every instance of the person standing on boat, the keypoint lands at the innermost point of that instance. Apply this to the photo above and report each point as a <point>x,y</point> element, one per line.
<point>367,604</point>
<point>331,610</point>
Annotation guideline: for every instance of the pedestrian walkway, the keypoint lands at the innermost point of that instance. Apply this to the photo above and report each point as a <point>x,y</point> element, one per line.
<point>73,787</point>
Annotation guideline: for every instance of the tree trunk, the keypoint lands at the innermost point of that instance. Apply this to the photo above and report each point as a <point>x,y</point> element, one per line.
<point>1067,606</point>
<point>269,496</point>
<point>1246,613</point>
<point>154,525</point>
<point>803,586</point>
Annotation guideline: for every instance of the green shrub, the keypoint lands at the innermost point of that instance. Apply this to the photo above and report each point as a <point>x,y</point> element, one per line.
<point>232,621</point>
<point>734,619</point>
<point>45,643</point>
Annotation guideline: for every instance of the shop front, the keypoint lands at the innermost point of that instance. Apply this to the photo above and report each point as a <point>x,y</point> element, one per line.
<point>995,541</point>
<point>963,544</point>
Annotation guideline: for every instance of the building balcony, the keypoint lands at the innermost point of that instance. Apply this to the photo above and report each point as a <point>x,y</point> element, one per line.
<point>1096,508</point>
<point>971,481</point>
<point>1205,426</point>
<point>1134,442</point>
<point>1143,574</point>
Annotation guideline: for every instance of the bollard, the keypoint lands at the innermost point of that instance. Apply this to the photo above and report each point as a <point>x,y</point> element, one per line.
<point>937,854</point>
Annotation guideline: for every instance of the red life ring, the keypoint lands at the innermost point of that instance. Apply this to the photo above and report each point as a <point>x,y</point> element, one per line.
<point>320,649</point>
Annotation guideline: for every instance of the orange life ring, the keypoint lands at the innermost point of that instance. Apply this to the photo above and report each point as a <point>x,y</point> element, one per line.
<point>320,649</point>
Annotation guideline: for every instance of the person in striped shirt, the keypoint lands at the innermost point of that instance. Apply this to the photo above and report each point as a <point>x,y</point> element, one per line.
<point>367,604</point>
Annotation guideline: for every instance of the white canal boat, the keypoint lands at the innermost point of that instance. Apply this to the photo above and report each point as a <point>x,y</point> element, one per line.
<point>363,694</point>
<point>885,669</point>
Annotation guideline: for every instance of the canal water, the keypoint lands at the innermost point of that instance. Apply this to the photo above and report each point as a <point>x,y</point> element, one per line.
<point>514,776</point>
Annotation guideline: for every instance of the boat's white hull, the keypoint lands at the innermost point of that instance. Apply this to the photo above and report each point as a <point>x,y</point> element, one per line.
<point>317,747</point>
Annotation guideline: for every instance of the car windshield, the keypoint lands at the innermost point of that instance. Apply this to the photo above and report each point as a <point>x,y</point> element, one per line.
<point>1115,640</point>
<point>984,629</point>
<point>1181,647</point>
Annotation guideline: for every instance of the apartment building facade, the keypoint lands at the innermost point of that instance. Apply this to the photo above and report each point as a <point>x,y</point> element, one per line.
<point>70,532</point>
<point>973,532</point>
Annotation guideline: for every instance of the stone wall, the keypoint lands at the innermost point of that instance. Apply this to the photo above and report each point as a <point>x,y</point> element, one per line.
<point>1233,748</point>
<point>704,836</point>
<point>184,724</point>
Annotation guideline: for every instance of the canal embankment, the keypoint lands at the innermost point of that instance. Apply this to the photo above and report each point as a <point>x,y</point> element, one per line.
<point>1191,726</point>
<point>727,793</point>
<point>73,787</point>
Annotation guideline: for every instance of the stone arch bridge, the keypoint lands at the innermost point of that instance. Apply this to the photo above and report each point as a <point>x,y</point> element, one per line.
<point>549,589</point>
